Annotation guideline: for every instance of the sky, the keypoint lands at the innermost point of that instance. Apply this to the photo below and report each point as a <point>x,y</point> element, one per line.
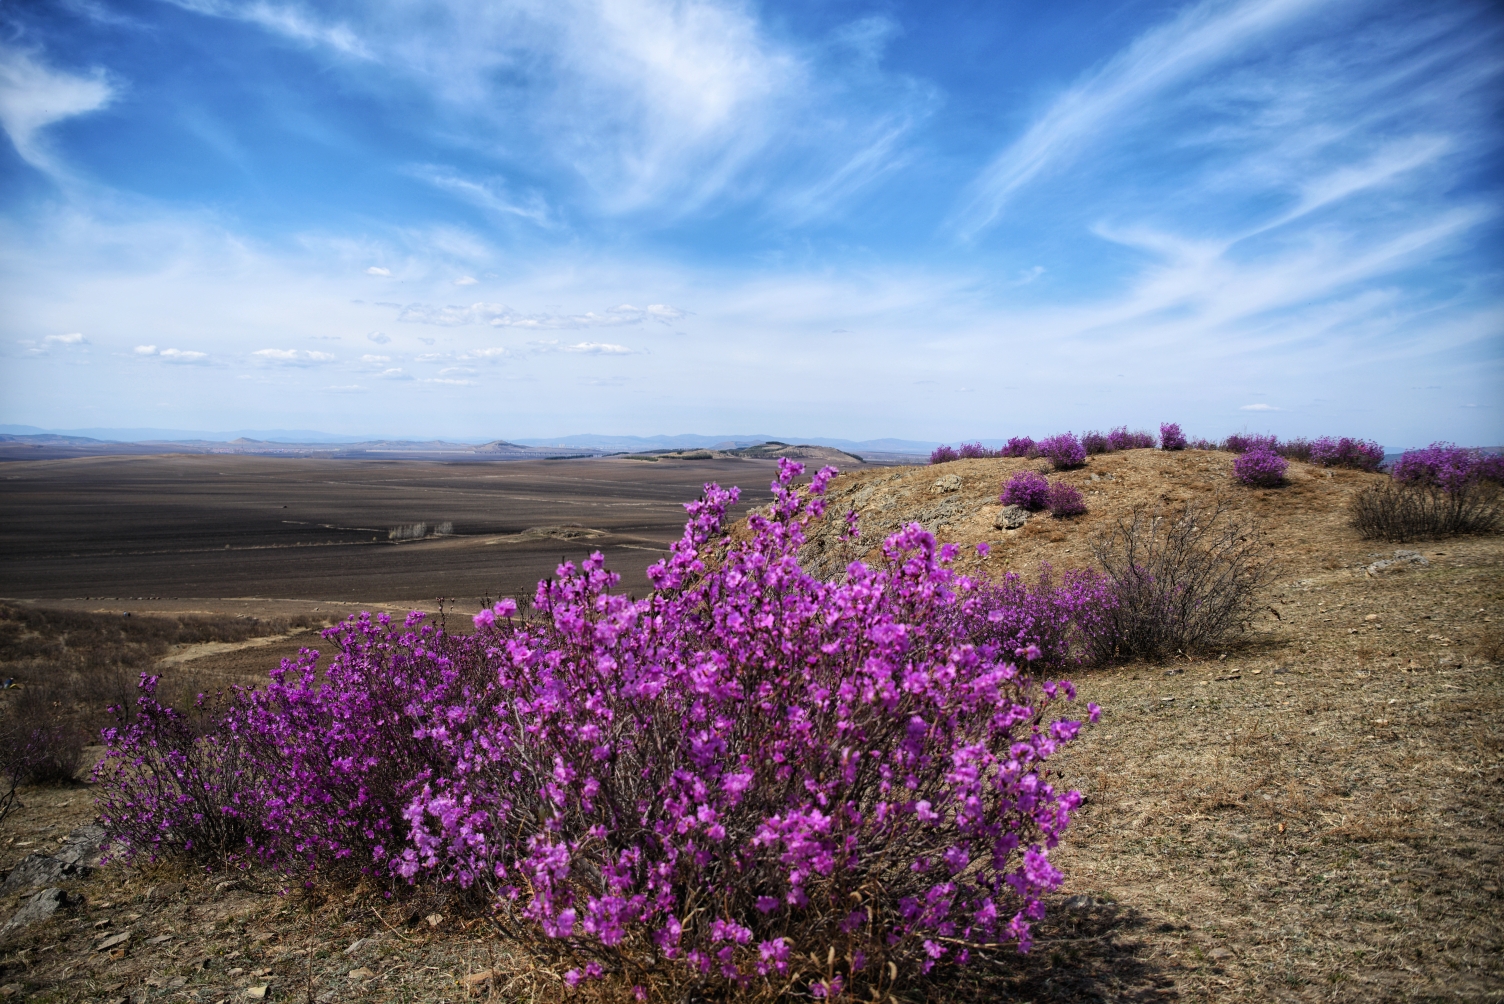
<point>936,221</point>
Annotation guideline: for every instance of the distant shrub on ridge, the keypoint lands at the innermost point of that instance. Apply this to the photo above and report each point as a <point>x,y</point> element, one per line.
<point>1063,451</point>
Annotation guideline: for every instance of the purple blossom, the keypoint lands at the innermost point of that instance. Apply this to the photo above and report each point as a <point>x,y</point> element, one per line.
<point>1261,468</point>
<point>1026,489</point>
<point>1063,451</point>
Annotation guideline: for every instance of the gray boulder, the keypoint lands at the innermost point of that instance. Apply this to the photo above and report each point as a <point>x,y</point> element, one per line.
<point>41,906</point>
<point>78,856</point>
<point>1011,517</point>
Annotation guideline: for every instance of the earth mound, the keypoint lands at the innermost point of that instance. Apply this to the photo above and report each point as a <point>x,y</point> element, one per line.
<point>959,502</point>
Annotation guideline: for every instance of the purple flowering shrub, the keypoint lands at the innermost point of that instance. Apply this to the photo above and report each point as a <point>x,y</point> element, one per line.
<point>1094,443</point>
<point>749,781</point>
<point>349,748</point>
<point>752,769</point>
<point>1447,467</point>
<point>976,451</point>
<point>1260,468</point>
<point>1027,489</point>
<point>1359,454</point>
<point>167,789</point>
<point>1170,436</point>
<point>943,455</point>
<point>1020,446</point>
<point>1063,451</point>
<point>1067,623</point>
<point>1065,500</point>
<point>1242,442</point>
<point>1121,439</point>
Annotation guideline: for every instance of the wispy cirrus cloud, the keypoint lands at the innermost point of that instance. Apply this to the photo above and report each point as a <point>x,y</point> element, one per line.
<point>34,95</point>
<point>1199,37</point>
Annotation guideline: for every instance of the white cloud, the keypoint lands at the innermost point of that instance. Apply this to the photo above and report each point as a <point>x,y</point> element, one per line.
<point>375,359</point>
<point>378,337</point>
<point>146,350</point>
<point>73,338</point>
<point>598,349</point>
<point>466,280</point>
<point>1258,407</point>
<point>378,270</point>
<point>33,96</point>
<point>182,356</point>
<point>501,316</point>
<point>492,353</point>
<point>293,357</point>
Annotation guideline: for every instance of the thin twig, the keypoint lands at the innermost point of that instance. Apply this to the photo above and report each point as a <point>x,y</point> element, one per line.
<point>389,927</point>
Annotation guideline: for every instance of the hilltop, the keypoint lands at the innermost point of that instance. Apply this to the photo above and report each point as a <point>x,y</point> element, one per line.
<point>1304,521</point>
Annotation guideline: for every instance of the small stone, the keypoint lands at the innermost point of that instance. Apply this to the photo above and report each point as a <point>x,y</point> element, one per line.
<point>434,919</point>
<point>159,939</point>
<point>256,993</point>
<point>1371,617</point>
<point>237,971</point>
<point>112,941</point>
<point>1219,953</point>
<point>167,890</point>
<point>360,974</point>
<point>176,982</point>
<point>12,989</point>
<point>263,936</point>
<point>946,484</point>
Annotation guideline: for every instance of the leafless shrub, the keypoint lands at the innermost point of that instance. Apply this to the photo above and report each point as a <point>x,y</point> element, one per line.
<point>1402,512</point>
<point>1185,581</point>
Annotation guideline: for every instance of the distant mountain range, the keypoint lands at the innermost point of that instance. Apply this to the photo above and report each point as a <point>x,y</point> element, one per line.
<point>589,443</point>
<point>690,441</point>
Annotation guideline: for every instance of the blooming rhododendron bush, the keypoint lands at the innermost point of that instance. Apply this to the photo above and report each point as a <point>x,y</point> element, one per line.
<point>748,782</point>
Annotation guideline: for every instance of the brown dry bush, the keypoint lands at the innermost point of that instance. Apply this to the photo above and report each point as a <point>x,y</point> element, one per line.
<point>1401,512</point>
<point>65,668</point>
<point>1185,581</point>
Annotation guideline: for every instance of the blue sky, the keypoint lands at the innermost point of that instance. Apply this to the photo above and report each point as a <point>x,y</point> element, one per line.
<point>941,221</point>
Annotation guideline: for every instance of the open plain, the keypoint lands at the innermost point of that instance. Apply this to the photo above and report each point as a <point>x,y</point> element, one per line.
<point>1311,814</point>
<point>156,532</point>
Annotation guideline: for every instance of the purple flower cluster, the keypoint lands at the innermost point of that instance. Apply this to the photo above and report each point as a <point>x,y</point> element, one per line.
<point>967,451</point>
<point>1020,446</point>
<point>1448,467</point>
<point>1170,436</point>
<point>1260,467</point>
<point>733,781</point>
<point>1118,439</point>
<point>1359,454</point>
<point>1063,451</point>
<point>1026,489</point>
<point>1065,500</point>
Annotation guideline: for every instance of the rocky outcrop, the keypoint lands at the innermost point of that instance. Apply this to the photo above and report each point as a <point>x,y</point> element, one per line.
<point>78,856</point>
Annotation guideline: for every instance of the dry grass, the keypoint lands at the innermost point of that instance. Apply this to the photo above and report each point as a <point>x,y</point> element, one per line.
<point>1314,817</point>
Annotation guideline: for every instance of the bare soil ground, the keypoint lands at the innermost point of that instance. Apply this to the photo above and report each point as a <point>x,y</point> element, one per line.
<point>1314,816</point>
<point>121,532</point>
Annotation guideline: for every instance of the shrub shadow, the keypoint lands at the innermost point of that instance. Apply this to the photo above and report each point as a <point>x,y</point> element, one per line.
<point>1087,948</point>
